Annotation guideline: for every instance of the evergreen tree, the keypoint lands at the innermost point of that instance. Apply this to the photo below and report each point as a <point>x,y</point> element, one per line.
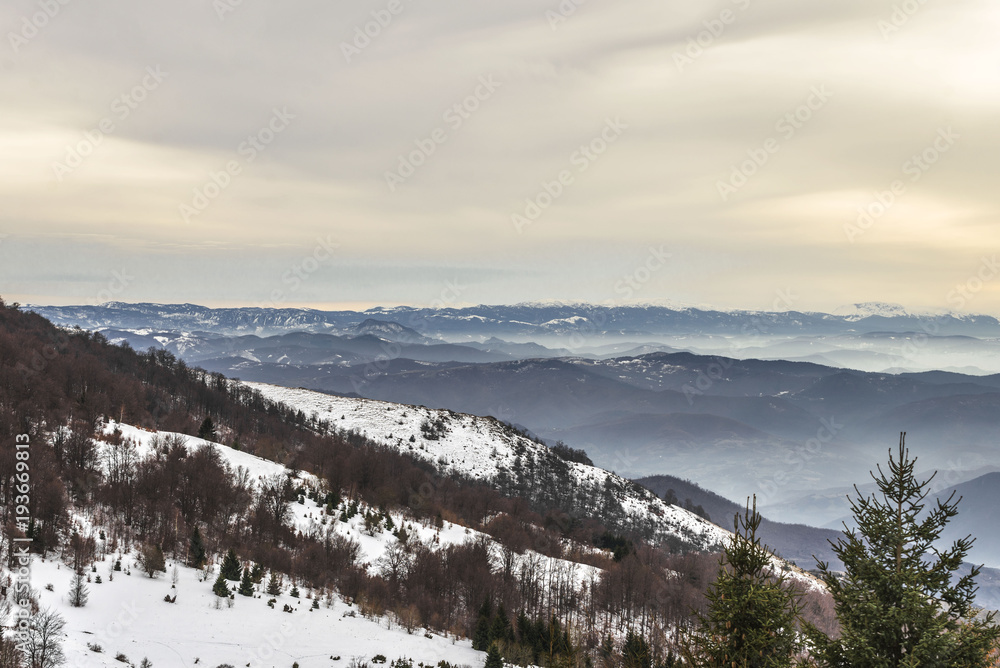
<point>752,614</point>
<point>493,658</point>
<point>221,588</point>
<point>196,550</point>
<point>246,584</point>
<point>231,566</point>
<point>481,636</point>
<point>897,602</point>
<point>273,585</point>
<point>635,652</point>
<point>500,630</point>
<point>207,430</point>
<point>257,574</point>
<point>78,591</point>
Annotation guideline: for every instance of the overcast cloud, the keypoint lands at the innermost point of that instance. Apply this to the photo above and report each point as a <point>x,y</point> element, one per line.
<point>247,142</point>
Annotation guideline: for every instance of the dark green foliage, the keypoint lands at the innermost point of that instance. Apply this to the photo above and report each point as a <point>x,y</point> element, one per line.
<point>294,593</point>
<point>635,652</point>
<point>221,587</point>
<point>493,658</point>
<point>481,636</point>
<point>897,603</point>
<point>257,574</point>
<point>207,430</point>
<point>196,550</point>
<point>273,585</point>
<point>620,546</point>
<point>752,614</point>
<point>230,569</point>
<point>246,584</point>
<point>500,628</point>
<point>569,454</point>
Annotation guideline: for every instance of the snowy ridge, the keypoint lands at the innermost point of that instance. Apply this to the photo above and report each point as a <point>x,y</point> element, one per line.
<point>483,449</point>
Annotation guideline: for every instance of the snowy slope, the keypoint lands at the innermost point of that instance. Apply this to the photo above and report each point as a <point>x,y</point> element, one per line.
<point>310,517</point>
<point>126,612</point>
<point>480,448</point>
<point>128,615</point>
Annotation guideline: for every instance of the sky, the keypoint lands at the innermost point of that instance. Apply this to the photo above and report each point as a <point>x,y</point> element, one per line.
<point>773,154</point>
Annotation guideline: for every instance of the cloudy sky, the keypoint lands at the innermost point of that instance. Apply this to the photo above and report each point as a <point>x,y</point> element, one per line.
<point>740,153</point>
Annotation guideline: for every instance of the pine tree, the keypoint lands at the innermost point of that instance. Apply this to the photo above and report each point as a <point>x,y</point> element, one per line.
<point>257,574</point>
<point>897,602</point>
<point>221,587</point>
<point>493,658</point>
<point>246,584</point>
<point>273,585</point>
<point>207,430</point>
<point>230,568</point>
<point>635,652</point>
<point>481,636</point>
<point>752,614</point>
<point>196,550</point>
<point>500,630</point>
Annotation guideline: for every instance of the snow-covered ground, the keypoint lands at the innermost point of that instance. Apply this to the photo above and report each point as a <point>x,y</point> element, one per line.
<point>128,615</point>
<point>310,517</point>
<point>478,447</point>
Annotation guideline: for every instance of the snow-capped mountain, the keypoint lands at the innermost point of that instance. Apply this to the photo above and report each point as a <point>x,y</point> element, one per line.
<point>519,320</point>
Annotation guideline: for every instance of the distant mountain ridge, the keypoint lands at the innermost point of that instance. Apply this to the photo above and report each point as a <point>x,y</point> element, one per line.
<point>517,320</point>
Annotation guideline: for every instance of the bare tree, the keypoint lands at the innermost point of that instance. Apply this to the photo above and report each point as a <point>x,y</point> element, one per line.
<point>151,560</point>
<point>78,591</point>
<point>45,634</point>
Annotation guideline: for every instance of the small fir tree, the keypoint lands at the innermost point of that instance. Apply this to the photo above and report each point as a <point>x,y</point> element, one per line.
<point>752,614</point>
<point>221,587</point>
<point>230,568</point>
<point>493,658</point>
<point>897,602</point>
<point>273,585</point>
<point>197,556</point>
<point>246,584</point>
<point>207,430</point>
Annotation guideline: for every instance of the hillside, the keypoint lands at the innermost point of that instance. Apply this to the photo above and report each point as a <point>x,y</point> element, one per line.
<point>483,449</point>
